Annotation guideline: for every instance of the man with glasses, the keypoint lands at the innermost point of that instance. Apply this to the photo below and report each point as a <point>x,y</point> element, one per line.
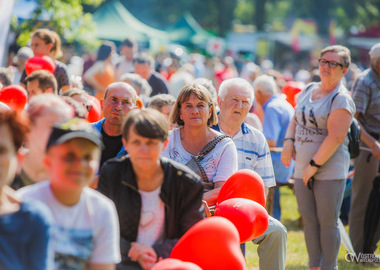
<point>119,99</point>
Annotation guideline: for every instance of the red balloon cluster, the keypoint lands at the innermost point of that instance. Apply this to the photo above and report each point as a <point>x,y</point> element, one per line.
<point>242,200</point>
<point>95,114</point>
<point>39,62</point>
<point>212,243</point>
<point>15,96</point>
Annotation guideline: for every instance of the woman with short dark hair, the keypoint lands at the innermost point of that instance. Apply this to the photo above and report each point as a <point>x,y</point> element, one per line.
<point>157,200</point>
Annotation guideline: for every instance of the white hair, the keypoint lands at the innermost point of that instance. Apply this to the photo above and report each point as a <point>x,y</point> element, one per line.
<point>229,84</point>
<point>267,83</point>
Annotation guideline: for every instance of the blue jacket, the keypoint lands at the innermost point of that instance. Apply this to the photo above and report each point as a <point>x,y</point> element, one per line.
<point>98,126</point>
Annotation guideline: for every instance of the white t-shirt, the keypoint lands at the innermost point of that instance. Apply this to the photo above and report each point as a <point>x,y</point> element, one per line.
<point>219,164</point>
<point>87,232</point>
<point>152,219</point>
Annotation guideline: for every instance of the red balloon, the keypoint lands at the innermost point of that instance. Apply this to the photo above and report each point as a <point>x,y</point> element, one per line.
<point>212,243</point>
<point>249,217</point>
<point>175,264</point>
<point>291,89</point>
<point>39,62</point>
<point>95,114</point>
<point>243,184</point>
<point>15,96</point>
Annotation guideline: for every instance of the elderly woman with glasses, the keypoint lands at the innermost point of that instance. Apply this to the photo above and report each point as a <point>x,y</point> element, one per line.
<point>316,137</point>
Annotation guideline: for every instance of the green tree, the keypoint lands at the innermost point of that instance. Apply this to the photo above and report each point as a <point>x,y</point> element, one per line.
<point>67,18</point>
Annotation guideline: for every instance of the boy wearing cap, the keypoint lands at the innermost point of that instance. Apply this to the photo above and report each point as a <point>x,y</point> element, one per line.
<point>86,232</point>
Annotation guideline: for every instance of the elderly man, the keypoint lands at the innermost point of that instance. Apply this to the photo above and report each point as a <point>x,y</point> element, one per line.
<point>235,98</point>
<point>277,115</point>
<point>144,66</point>
<point>119,99</point>
<point>40,82</point>
<point>366,95</point>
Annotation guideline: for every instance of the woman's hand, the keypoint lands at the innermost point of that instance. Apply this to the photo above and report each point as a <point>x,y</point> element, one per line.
<point>308,173</point>
<point>146,261</point>
<point>206,210</point>
<point>139,249</point>
<point>288,152</point>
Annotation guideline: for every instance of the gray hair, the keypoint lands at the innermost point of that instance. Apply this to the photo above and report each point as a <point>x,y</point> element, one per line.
<point>267,83</point>
<point>124,86</point>
<point>235,83</point>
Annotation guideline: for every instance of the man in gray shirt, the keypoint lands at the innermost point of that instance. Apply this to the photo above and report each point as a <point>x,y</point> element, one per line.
<point>366,95</point>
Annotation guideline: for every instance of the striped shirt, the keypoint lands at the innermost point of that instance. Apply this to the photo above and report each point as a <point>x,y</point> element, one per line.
<point>253,152</point>
<point>366,95</point>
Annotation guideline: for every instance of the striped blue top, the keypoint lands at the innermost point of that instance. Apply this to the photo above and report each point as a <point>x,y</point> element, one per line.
<point>253,152</point>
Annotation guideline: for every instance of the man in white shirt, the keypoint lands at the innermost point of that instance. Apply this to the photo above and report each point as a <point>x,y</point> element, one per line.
<point>235,98</point>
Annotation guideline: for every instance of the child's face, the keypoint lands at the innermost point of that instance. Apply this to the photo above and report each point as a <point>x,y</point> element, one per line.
<point>73,164</point>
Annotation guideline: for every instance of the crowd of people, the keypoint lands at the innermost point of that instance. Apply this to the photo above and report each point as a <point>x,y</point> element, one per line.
<point>111,170</point>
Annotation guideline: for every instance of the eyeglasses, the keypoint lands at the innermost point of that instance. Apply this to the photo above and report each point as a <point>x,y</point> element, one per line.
<point>331,64</point>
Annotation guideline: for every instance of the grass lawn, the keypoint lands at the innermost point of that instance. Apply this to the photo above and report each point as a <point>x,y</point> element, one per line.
<point>296,257</point>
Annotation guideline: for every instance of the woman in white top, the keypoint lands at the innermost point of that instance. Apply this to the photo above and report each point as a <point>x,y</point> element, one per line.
<point>194,112</point>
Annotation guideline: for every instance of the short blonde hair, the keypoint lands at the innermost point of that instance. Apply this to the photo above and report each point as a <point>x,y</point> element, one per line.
<point>202,94</point>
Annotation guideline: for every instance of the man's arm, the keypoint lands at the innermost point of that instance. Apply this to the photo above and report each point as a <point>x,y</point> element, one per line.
<point>369,140</point>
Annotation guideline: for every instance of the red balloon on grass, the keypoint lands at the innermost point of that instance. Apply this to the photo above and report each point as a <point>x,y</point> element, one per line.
<point>243,184</point>
<point>95,114</point>
<point>175,264</point>
<point>249,217</point>
<point>15,96</point>
<point>212,243</point>
<point>39,62</point>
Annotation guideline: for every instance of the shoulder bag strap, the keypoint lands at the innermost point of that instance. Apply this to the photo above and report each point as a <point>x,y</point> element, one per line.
<point>211,145</point>
<point>332,100</point>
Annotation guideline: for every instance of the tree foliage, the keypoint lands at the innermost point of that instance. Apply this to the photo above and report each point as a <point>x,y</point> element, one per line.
<point>67,18</point>
<point>346,13</point>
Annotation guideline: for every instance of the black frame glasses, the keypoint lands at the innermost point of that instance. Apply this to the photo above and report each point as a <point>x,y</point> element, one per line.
<point>331,64</point>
